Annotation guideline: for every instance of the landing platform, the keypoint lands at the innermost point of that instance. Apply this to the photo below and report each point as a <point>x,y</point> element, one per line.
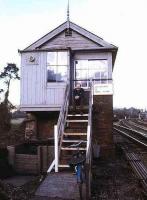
<point>59,185</point>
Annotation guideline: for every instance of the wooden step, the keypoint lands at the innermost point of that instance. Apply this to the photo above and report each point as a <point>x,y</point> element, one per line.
<point>76,120</point>
<point>85,107</point>
<point>77,115</point>
<point>79,134</point>
<point>74,141</point>
<point>63,166</point>
<point>72,148</point>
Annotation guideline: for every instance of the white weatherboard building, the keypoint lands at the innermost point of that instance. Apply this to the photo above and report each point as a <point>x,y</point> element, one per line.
<point>50,69</point>
<point>68,52</point>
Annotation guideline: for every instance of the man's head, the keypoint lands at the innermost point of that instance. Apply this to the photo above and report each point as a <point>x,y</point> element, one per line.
<point>78,85</point>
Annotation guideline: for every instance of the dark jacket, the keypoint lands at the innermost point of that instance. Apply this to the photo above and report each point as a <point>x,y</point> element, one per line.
<point>78,93</point>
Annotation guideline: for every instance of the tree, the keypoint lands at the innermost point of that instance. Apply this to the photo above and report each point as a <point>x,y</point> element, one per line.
<point>9,73</point>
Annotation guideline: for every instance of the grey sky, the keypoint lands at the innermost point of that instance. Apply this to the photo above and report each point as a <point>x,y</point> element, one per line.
<point>120,22</point>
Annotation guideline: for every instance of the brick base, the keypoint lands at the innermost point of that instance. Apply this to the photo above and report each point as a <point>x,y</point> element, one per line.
<point>102,124</point>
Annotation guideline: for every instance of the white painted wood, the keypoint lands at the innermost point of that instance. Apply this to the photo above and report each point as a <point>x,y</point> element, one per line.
<point>74,121</point>
<point>77,115</point>
<point>33,80</point>
<point>74,27</point>
<point>50,108</point>
<point>64,166</point>
<point>90,55</point>
<point>56,148</point>
<point>90,35</point>
<point>51,167</point>
<point>47,37</point>
<point>88,138</point>
<point>76,41</point>
<point>35,91</point>
<point>110,65</point>
<point>75,134</point>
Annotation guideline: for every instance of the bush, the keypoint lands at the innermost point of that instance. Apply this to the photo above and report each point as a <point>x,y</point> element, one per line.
<point>5,169</point>
<point>5,118</point>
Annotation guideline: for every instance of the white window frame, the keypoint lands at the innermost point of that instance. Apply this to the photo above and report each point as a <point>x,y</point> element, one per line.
<point>88,60</point>
<point>57,66</point>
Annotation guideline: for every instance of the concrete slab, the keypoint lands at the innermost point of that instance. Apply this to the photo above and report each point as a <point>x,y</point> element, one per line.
<point>59,185</point>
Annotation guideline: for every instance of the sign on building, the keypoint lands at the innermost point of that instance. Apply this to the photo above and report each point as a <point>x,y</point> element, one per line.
<point>103,89</point>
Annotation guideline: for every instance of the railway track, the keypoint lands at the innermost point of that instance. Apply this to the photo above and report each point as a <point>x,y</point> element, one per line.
<point>136,136</point>
<point>131,149</point>
<point>140,122</point>
<point>137,165</point>
<point>134,125</point>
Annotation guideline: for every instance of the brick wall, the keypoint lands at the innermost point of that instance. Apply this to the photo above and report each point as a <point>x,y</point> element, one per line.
<point>46,154</point>
<point>31,164</point>
<point>27,164</point>
<point>102,124</point>
<point>45,124</point>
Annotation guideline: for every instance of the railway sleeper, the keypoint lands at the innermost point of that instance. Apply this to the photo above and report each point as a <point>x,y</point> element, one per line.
<point>139,168</point>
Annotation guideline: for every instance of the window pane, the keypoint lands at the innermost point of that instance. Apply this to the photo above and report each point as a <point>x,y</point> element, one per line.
<point>98,69</point>
<point>52,58</point>
<point>82,64</point>
<point>51,74</point>
<point>92,73</point>
<point>81,74</point>
<point>104,75</point>
<point>61,74</point>
<point>62,58</point>
<point>83,83</point>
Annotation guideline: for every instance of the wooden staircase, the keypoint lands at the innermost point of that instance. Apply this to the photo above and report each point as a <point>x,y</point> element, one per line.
<point>72,133</point>
<point>74,137</point>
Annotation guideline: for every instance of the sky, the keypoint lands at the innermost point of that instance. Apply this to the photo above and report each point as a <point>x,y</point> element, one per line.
<point>120,22</point>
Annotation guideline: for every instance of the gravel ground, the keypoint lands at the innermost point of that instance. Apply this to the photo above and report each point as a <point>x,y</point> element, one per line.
<point>114,180</point>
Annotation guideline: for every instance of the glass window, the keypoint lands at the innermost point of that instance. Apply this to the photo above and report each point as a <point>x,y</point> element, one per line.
<point>62,73</point>
<point>62,58</point>
<point>51,74</point>
<point>57,69</point>
<point>51,58</point>
<point>91,69</point>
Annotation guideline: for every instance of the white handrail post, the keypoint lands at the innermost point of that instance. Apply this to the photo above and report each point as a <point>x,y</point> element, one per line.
<point>88,138</point>
<point>92,91</point>
<point>56,147</point>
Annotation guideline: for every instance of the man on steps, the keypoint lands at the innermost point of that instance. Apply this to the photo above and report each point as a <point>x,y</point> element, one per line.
<point>78,97</point>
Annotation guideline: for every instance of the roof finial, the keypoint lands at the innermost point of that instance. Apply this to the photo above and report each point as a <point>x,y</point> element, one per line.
<point>68,11</point>
<point>68,20</point>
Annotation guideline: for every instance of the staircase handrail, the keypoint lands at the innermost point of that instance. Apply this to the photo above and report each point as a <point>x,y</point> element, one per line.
<point>89,144</point>
<point>63,112</point>
<point>89,127</point>
<point>59,128</point>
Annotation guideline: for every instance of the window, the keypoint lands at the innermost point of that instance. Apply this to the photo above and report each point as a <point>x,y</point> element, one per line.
<point>57,70</point>
<point>91,69</point>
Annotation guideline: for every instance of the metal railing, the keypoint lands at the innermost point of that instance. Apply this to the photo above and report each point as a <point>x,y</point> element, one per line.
<point>89,145</point>
<point>59,130</point>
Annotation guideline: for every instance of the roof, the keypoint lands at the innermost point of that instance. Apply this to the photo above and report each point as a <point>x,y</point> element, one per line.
<point>101,44</point>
